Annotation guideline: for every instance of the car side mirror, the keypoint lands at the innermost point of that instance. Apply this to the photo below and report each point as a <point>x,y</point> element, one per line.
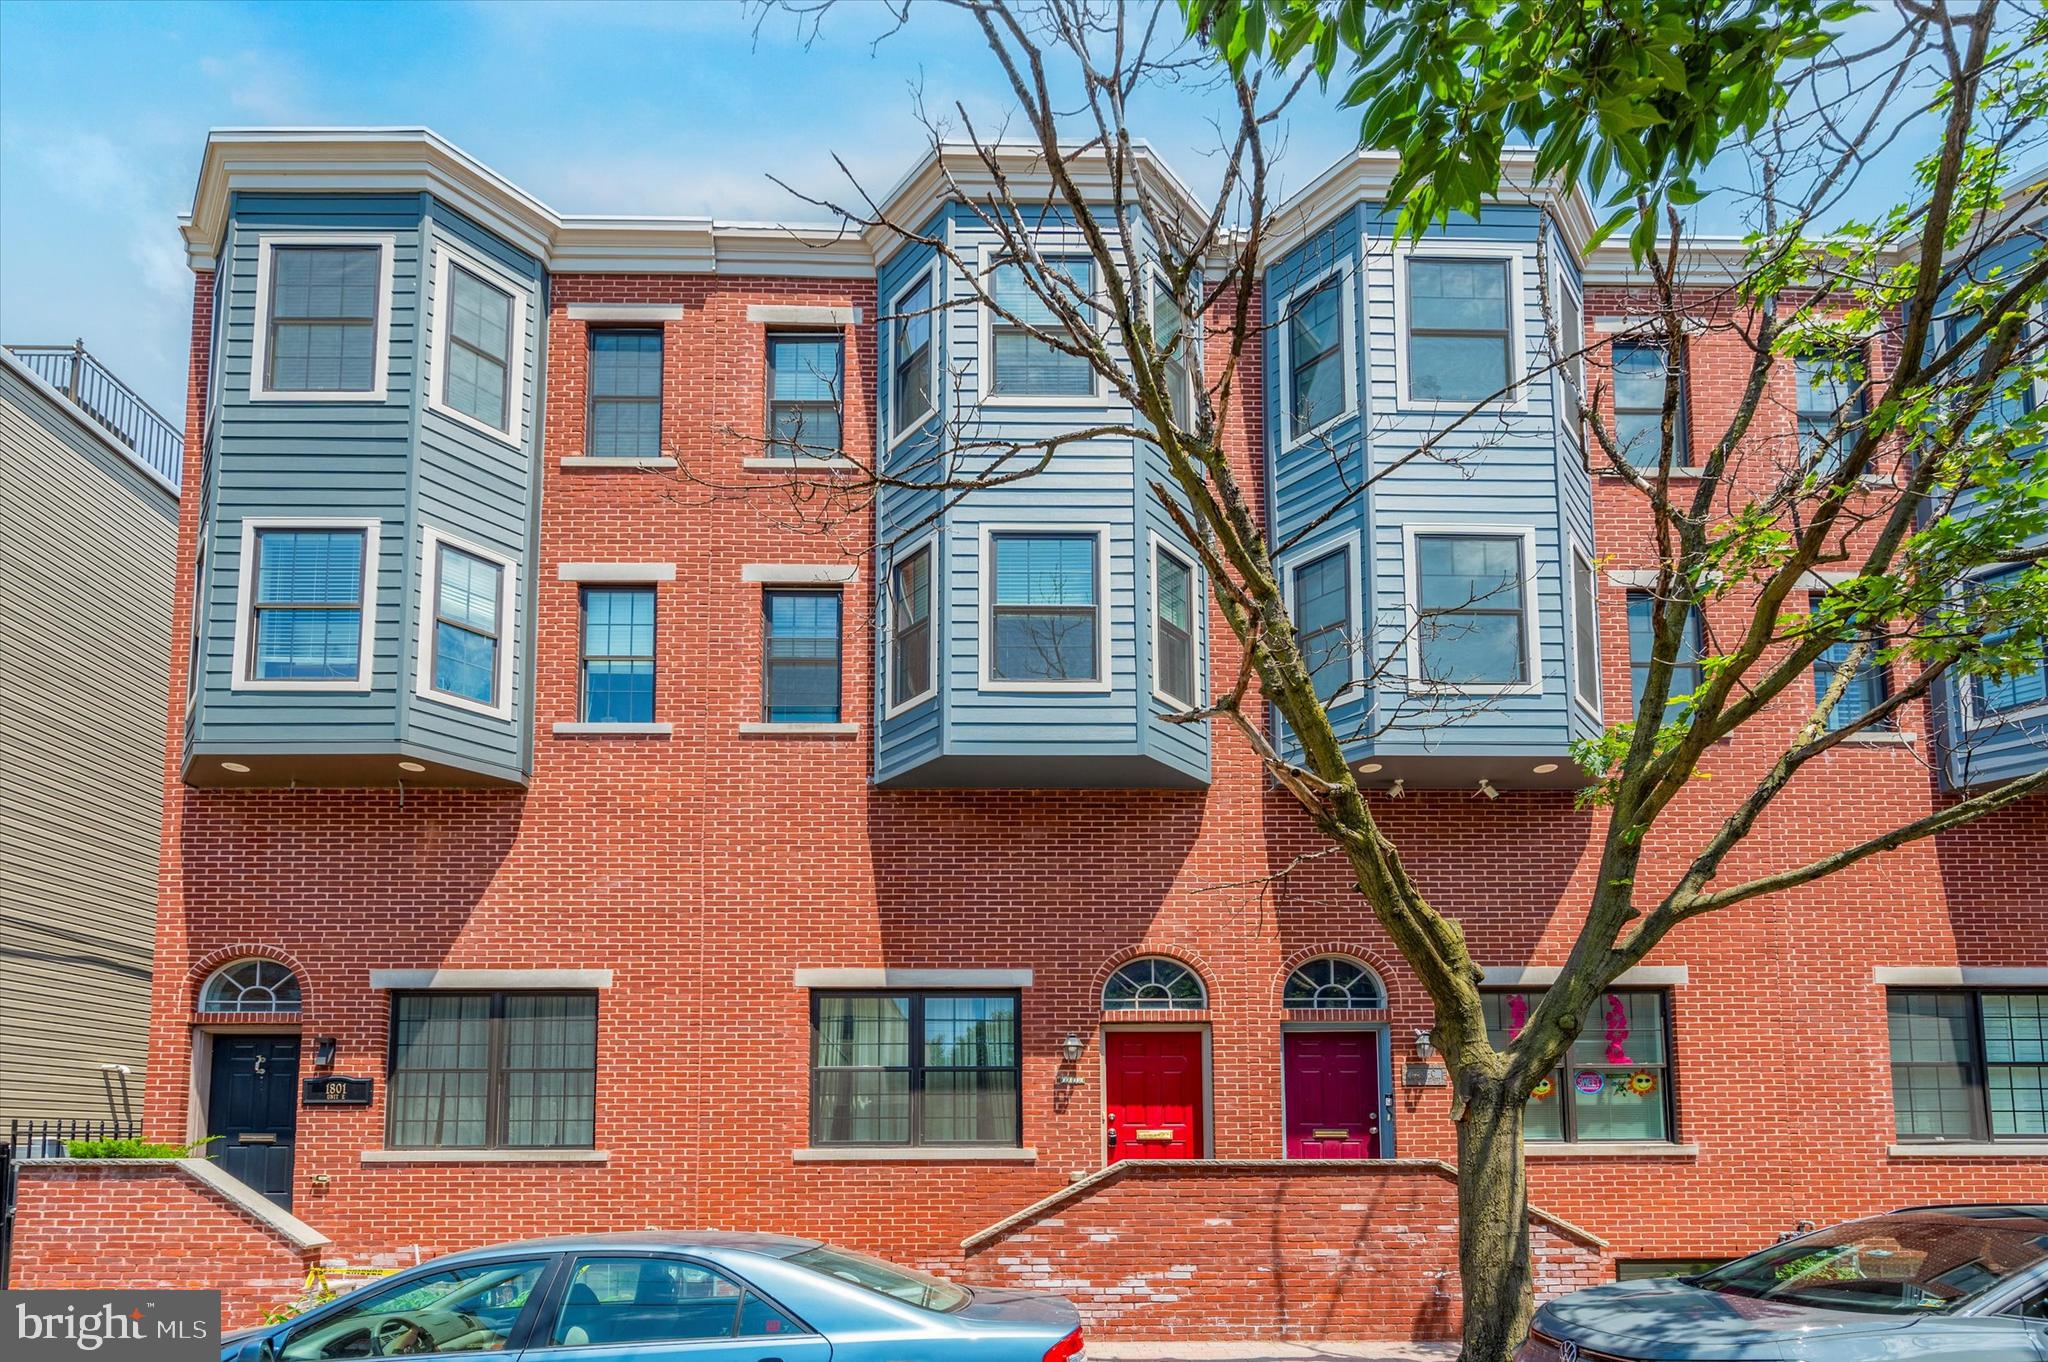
<point>262,1349</point>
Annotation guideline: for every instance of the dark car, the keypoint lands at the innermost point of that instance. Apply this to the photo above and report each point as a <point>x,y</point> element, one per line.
<point>1933,1283</point>
<point>709,1297</point>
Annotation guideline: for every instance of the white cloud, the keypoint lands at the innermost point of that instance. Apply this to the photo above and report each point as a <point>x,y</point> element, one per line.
<point>267,87</point>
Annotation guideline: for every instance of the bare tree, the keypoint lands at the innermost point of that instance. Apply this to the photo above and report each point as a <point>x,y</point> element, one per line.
<point>1908,473</point>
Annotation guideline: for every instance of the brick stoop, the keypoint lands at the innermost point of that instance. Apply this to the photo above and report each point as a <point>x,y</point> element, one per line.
<point>158,1223</point>
<point>1245,1249</point>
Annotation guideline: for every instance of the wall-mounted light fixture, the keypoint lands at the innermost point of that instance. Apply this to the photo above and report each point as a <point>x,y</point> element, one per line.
<point>1071,1047</point>
<point>323,1052</point>
<point>1425,1046</point>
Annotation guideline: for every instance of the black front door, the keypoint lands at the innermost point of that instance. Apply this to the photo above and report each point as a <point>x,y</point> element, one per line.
<point>254,1109</point>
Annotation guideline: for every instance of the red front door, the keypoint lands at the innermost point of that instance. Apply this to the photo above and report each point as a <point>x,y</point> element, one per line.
<point>1154,1092</point>
<point>1333,1094</point>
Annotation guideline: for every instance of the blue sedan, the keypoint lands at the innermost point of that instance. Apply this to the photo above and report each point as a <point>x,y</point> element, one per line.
<point>1934,1284</point>
<point>657,1297</point>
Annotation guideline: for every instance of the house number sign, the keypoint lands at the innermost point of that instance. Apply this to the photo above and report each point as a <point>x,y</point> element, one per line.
<point>336,1092</point>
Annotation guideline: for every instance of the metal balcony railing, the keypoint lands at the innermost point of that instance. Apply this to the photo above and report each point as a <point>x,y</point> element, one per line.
<point>93,389</point>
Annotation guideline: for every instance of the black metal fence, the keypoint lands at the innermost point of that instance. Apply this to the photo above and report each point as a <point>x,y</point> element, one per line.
<point>72,370</point>
<point>42,1139</point>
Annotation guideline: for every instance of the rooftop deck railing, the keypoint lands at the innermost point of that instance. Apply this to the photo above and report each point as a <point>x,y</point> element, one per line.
<point>93,389</point>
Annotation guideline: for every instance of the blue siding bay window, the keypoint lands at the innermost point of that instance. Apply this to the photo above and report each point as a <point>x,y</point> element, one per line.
<point>1021,364</point>
<point>1459,336</point>
<point>323,318</point>
<point>1043,625</point>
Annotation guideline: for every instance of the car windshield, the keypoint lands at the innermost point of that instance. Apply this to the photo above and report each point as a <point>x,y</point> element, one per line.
<point>920,1289</point>
<point>1913,1263</point>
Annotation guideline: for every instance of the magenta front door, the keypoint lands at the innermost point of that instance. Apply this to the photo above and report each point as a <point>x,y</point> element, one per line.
<point>1333,1094</point>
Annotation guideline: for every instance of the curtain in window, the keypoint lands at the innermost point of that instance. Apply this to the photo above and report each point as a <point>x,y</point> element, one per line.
<point>550,1070</point>
<point>441,1071</point>
<point>860,1067</point>
<point>969,1070</point>
<point>308,608</point>
<point>1044,607</point>
<point>1933,1053</point>
<point>323,318</point>
<point>1023,364</point>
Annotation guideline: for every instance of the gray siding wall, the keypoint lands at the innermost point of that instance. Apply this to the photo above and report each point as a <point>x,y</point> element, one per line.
<point>88,550</point>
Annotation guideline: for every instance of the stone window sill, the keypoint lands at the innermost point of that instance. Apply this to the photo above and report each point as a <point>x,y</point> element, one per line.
<point>798,730</point>
<point>1610,1149</point>
<point>613,730</point>
<point>1961,1149</point>
<point>593,461</point>
<point>915,1154</point>
<point>486,1156</point>
<point>1882,737</point>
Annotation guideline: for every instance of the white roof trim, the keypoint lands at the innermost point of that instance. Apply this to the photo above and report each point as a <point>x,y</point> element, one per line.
<point>913,978</point>
<point>1542,976</point>
<point>490,978</point>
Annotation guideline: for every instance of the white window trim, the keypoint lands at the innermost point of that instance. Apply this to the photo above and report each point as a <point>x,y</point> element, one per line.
<point>431,542</point>
<point>195,638</point>
<point>1515,254</point>
<point>1582,569</point>
<point>1966,706</point>
<point>380,362</point>
<point>1347,323</point>
<point>1054,250</point>
<point>984,613</point>
<point>245,602</point>
<point>937,316</point>
<point>515,359</point>
<point>891,707</point>
<point>1190,330</point>
<point>1353,549</point>
<point>1198,617</point>
<point>1532,576</point>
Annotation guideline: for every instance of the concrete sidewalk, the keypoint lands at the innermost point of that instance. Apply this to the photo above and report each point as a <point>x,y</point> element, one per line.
<point>1194,1350</point>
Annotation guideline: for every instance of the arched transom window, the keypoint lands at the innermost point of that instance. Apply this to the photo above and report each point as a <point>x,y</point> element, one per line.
<point>250,986</point>
<point>1334,981</point>
<point>1154,984</point>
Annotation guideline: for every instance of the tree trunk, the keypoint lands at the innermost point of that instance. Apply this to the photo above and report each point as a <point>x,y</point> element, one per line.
<point>1493,1224</point>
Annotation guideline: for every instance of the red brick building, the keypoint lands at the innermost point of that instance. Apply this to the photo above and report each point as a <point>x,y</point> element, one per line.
<point>726,892</point>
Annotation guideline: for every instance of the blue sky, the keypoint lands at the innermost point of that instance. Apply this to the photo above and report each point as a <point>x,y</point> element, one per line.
<point>594,108</point>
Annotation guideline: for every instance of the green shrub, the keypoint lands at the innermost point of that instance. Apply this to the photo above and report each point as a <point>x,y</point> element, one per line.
<point>131,1149</point>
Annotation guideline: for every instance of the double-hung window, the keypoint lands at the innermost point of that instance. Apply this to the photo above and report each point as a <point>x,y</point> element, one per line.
<point>1173,593</point>
<point>1314,333</point>
<point>1997,695</point>
<point>476,350</point>
<point>466,640</point>
<point>1043,618</point>
<point>800,663</point>
<point>1686,673</point>
<point>1571,369</point>
<point>1834,397</point>
<point>1969,1065</point>
<point>1321,590</point>
<point>493,1071</point>
<point>1639,381</point>
<point>1175,346</point>
<point>306,605</point>
<point>1866,690</point>
<point>1471,620</point>
<point>1585,631</point>
<point>1460,334</point>
<point>912,358</point>
<point>1614,1082</point>
<point>625,393</point>
<point>805,392</point>
<point>618,654</point>
<point>321,331</point>
<point>910,628</point>
<point>914,1069</point>
<point>1021,364</point>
